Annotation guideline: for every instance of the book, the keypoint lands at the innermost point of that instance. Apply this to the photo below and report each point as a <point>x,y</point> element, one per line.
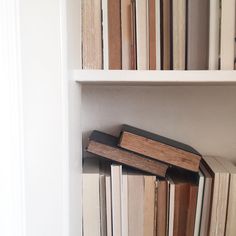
<point>135,204</point>
<point>227,34</point>
<point>126,32</point>
<point>106,146</point>
<point>206,204</point>
<point>214,34</point>
<point>91,197</point>
<point>108,205</point>
<point>158,34</point>
<point>142,32</point>
<point>166,33</point>
<point>231,208</point>
<point>185,202</point>
<point>149,205</point>
<point>179,34</point>
<point>219,196</point>
<point>198,35</point>
<point>152,34</point>
<point>124,202</point>
<point>171,207</point>
<point>91,26</point>
<point>199,203</point>
<point>116,199</point>
<point>133,36</point>
<point>105,34</point>
<point>162,207</point>
<point>114,34</point>
<point>159,148</point>
<point>102,200</point>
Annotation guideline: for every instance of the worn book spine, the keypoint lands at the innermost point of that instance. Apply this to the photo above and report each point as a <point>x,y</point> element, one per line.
<point>114,34</point>
<point>91,34</point>
<point>152,34</point>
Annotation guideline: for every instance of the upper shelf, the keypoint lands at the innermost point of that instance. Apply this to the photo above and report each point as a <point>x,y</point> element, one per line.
<point>129,77</point>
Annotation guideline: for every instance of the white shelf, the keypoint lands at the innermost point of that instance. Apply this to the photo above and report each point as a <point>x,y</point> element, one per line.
<point>125,77</point>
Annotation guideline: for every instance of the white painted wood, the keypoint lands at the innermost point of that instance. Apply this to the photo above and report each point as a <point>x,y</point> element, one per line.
<point>12,198</point>
<point>45,117</point>
<point>154,77</point>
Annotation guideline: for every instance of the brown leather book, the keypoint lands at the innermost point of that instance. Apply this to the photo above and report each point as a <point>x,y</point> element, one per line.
<point>166,34</point>
<point>162,206</point>
<point>152,34</point>
<point>114,34</point>
<point>159,148</point>
<point>105,145</point>
<point>185,203</point>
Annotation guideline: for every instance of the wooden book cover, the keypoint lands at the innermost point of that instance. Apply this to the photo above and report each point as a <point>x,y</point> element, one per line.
<point>198,35</point>
<point>114,34</point>
<point>206,205</point>
<point>227,34</point>
<point>142,34</point>
<point>149,205</point>
<point>179,34</point>
<point>152,34</point>
<point>162,207</point>
<point>126,32</point>
<point>159,148</point>
<point>231,209</point>
<point>166,34</point>
<point>105,146</point>
<point>219,196</point>
<point>91,34</point>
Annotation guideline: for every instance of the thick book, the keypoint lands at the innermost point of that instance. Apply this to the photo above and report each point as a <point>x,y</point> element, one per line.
<point>166,33</point>
<point>91,196</point>
<point>92,25</point>
<point>114,34</point>
<point>219,196</point>
<point>227,28</point>
<point>179,34</point>
<point>126,32</point>
<point>198,35</point>
<point>159,148</point>
<point>106,146</point>
<point>185,202</point>
<point>231,209</point>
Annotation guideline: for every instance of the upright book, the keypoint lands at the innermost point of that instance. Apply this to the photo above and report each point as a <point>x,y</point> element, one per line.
<point>105,146</point>
<point>159,148</point>
<point>91,34</point>
<point>219,196</point>
<point>114,34</point>
<point>152,34</point>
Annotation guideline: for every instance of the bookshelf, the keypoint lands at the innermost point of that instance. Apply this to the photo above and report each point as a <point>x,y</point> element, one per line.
<point>62,104</point>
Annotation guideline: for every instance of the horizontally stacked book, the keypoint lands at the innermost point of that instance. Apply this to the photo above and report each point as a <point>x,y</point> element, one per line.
<point>148,185</point>
<point>158,34</point>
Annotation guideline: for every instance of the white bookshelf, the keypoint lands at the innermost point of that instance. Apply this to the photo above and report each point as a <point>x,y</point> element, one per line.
<point>63,104</point>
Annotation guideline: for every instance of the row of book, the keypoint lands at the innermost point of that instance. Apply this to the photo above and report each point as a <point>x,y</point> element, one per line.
<point>183,193</point>
<point>158,34</point>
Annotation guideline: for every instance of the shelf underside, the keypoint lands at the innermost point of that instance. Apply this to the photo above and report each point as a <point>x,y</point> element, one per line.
<point>124,77</point>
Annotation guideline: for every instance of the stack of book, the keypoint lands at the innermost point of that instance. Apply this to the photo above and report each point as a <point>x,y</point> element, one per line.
<point>144,184</point>
<point>158,34</point>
